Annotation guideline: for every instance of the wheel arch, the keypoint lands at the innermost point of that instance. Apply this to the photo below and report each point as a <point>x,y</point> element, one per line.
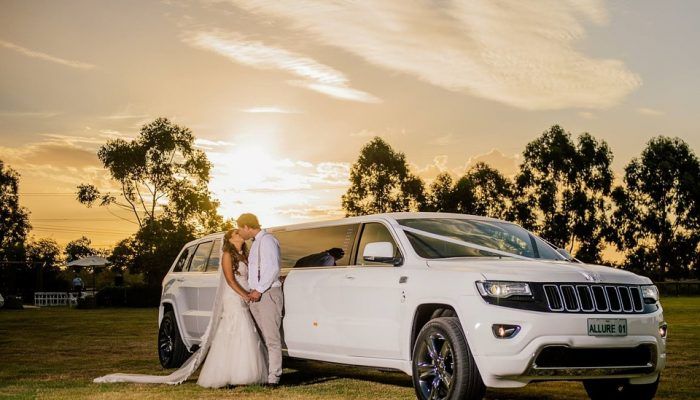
<point>423,313</point>
<point>169,305</point>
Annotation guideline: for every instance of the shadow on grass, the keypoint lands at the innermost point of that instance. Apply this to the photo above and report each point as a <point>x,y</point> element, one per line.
<point>313,372</point>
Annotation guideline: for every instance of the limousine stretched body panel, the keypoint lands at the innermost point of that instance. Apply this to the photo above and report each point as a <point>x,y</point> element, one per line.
<point>441,307</point>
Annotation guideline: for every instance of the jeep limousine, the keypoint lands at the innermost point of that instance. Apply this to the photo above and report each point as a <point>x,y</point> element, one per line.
<point>458,302</point>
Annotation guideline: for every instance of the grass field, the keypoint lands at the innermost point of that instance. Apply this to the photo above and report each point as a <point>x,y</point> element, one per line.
<point>55,353</point>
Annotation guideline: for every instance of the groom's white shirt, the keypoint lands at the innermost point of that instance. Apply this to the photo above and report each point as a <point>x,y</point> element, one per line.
<point>265,248</point>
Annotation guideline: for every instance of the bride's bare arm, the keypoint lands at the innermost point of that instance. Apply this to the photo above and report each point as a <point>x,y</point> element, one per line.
<point>230,279</point>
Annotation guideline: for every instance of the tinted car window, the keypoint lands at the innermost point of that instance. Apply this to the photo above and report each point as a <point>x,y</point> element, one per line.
<point>317,247</point>
<point>182,261</point>
<point>200,257</point>
<point>213,263</point>
<point>371,233</point>
<point>502,236</point>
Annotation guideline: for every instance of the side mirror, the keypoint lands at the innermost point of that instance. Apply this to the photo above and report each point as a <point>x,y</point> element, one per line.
<point>566,254</point>
<point>379,252</point>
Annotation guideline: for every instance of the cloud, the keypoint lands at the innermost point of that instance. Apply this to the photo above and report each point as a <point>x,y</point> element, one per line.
<point>56,151</point>
<point>443,140</point>
<point>269,110</point>
<point>314,75</point>
<point>29,114</point>
<point>507,165</point>
<point>43,56</point>
<point>587,114</point>
<point>650,112</point>
<point>522,54</point>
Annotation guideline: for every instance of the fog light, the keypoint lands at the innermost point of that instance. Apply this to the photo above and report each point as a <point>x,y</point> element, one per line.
<point>663,330</point>
<point>502,331</point>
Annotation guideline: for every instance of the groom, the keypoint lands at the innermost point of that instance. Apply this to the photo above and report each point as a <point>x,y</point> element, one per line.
<point>266,289</point>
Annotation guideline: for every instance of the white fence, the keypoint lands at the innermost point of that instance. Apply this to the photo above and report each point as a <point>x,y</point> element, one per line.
<point>48,299</point>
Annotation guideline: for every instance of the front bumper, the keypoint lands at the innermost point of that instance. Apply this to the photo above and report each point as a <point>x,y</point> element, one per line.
<point>512,362</point>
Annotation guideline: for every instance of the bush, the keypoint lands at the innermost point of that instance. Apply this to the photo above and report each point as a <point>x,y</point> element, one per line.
<point>13,303</point>
<point>86,302</point>
<point>111,296</point>
<point>130,296</point>
<point>142,296</point>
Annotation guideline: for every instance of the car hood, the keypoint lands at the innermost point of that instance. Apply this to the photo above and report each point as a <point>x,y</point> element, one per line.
<point>538,270</point>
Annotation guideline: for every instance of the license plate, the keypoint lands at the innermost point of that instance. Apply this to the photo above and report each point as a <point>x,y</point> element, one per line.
<point>607,327</point>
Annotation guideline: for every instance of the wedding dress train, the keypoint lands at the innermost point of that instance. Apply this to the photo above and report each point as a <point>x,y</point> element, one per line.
<point>233,354</point>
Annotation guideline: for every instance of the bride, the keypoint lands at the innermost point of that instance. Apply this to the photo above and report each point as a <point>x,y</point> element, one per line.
<point>231,348</point>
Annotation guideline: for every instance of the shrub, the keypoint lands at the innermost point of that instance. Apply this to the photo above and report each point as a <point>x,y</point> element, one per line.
<point>87,302</point>
<point>13,303</point>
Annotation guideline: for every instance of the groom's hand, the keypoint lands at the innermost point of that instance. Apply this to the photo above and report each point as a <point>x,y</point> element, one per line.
<point>255,295</point>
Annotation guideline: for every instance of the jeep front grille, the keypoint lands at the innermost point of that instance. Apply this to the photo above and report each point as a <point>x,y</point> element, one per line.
<point>594,298</point>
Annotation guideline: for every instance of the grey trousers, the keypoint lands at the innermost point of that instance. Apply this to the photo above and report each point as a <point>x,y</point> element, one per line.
<point>268,316</point>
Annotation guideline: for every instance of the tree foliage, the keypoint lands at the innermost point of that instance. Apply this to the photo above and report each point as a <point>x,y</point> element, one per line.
<point>163,181</point>
<point>380,181</point>
<point>14,219</point>
<point>79,248</point>
<point>160,174</point>
<point>658,210</point>
<point>482,190</point>
<point>563,188</point>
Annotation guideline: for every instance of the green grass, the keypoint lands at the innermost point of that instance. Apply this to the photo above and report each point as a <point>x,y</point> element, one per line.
<point>55,354</point>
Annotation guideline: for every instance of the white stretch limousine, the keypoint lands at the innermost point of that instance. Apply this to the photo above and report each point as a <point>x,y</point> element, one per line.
<point>458,302</point>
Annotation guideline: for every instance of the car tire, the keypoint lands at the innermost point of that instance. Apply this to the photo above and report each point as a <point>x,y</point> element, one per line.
<point>443,366</point>
<point>608,389</point>
<point>171,350</point>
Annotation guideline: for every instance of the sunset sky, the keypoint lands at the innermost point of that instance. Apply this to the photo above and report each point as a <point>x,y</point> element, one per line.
<point>300,86</point>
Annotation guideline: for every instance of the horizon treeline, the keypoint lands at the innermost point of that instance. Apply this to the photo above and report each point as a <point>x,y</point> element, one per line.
<point>565,192</point>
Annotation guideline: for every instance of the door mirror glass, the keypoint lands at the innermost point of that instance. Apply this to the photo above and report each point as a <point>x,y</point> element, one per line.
<point>379,252</point>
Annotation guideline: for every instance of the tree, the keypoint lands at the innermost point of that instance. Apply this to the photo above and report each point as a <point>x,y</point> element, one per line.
<point>562,188</point>
<point>381,182</point>
<point>160,174</point>
<point>491,191</point>
<point>14,219</point>
<point>658,210</point>
<point>481,191</point>
<point>442,195</point>
<point>163,181</point>
<point>44,257</point>
<point>78,249</point>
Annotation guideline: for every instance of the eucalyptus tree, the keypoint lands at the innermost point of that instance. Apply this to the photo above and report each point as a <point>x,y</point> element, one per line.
<point>658,210</point>
<point>162,180</point>
<point>14,219</point>
<point>381,181</point>
<point>562,189</point>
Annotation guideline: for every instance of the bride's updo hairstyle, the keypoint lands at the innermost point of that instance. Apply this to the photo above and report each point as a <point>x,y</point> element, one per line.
<point>236,256</point>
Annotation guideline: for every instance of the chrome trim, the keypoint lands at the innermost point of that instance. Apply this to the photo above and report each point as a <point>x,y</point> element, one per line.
<point>614,288</point>
<point>568,372</point>
<point>629,296</point>
<point>595,300</point>
<point>549,302</point>
<point>641,299</point>
<point>576,299</point>
<point>590,294</point>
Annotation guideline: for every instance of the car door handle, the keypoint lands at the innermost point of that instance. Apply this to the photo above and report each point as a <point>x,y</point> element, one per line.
<point>180,279</point>
<point>349,277</point>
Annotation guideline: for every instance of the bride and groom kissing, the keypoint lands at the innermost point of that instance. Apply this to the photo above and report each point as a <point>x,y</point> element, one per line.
<point>242,344</point>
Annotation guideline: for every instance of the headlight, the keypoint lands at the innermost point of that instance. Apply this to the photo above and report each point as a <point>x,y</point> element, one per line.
<point>651,293</point>
<point>502,290</point>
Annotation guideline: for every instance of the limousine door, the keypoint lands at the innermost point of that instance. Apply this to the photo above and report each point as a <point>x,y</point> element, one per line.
<point>197,293</point>
<point>372,304</point>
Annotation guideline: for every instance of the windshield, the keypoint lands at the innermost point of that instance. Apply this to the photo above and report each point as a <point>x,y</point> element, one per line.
<point>496,235</point>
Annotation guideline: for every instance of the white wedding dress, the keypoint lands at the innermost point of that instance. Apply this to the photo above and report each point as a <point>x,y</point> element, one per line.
<point>237,355</point>
<point>231,349</point>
